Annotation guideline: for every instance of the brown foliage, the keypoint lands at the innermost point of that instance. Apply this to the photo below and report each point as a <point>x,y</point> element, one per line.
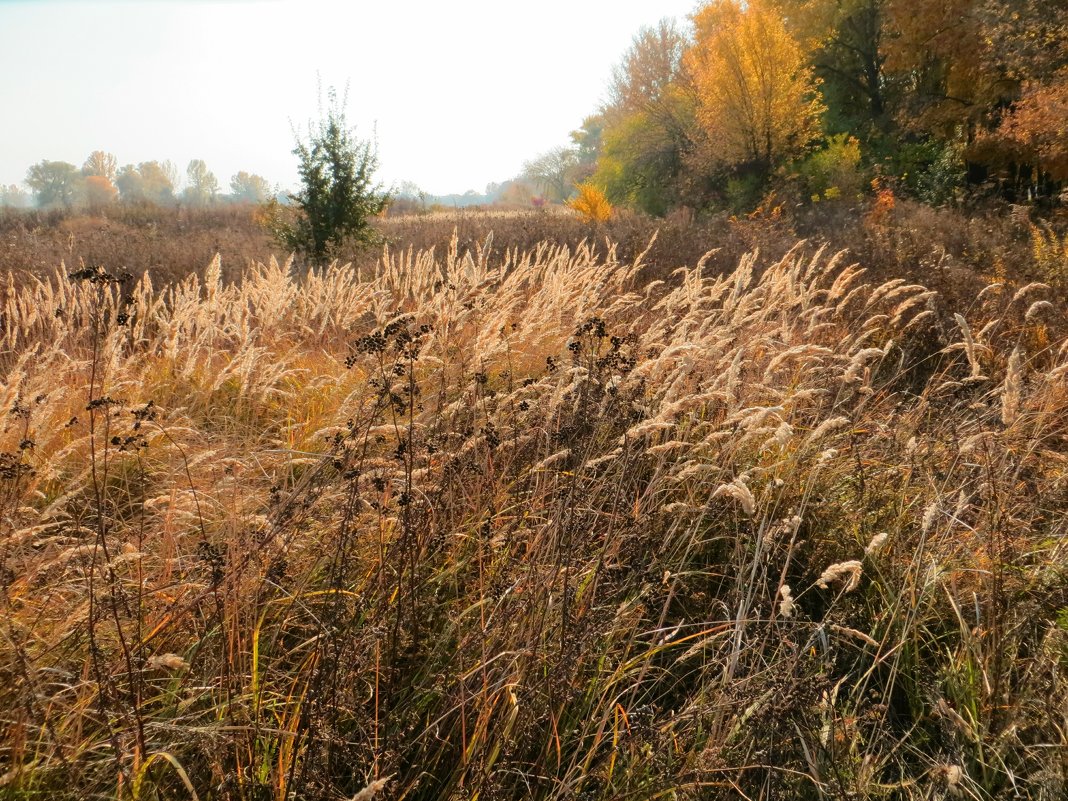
<point>1034,130</point>
<point>99,192</point>
<point>170,242</point>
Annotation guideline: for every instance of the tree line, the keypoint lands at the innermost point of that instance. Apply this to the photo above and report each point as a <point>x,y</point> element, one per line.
<point>819,98</point>
<point>100,182</point>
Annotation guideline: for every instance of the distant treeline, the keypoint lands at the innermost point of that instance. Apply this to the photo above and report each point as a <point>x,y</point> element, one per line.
<point>522,191</point>
<point>100,182</point>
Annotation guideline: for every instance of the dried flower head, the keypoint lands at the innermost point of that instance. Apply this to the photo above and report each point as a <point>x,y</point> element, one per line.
<point>969,345</point>
<point>786,601</point>
<point>166,662</point>
<point>370,791</point>
<point>876,544</point>
<point>740,492</point>
<point>930,514</point>
<point>1010,395</point>
<point>849,572</point>
<point>1038,308</point>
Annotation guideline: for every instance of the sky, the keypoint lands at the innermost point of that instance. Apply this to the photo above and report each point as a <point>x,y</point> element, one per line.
<point>457,94</point>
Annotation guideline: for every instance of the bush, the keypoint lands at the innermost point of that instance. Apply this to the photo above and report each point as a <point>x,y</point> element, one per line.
<point>933,172</point>
<point>744,192</point>
<point>834,171</point>
<point>1050,253</point>
<point>591,203</point>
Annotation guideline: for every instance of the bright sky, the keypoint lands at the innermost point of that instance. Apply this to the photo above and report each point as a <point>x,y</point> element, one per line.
<point>461,92</point>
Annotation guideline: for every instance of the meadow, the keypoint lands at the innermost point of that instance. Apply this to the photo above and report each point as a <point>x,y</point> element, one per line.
<point>722,511</point>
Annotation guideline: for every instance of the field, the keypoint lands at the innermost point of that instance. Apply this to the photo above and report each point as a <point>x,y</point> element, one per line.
<point>568,513</point>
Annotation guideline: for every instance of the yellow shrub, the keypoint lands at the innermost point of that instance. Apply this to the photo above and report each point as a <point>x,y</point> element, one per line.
<point>1050,253</point>
<point>591,203</point>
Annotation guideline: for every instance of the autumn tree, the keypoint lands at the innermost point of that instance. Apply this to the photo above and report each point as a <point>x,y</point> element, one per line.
<point>101,164</point>
<point>586,142</point>
<point>1028,39</point>
<point>986,76</point>
<point>643,165</point>
<point>55,183</point>
<point>963,61</point>
<point>148,182</point>
<point>553,172</point>
<point>14,197</point>
<point>202,186</point>
<point>939,94</point>
<point>130,184</point>
<point>844,39</point>
<point>249,188</point>
<point>1031,139</point>
<point>515,193</point>
<point>1028,142</point>
<point>99,192</point>
<point>943,60</point>
<point>648,72</point>
<point>100,169</point>
<point>757,95</point>
<point>648,127</point>
<point>160,179</point>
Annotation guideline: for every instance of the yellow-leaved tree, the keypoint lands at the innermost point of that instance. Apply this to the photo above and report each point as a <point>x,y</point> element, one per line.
<point>758,100</point>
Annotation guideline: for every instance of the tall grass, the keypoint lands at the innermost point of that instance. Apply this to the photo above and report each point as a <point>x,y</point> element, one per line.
<point>520,526</point>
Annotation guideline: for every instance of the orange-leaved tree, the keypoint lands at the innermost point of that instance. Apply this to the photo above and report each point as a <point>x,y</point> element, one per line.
<point>1033,132</point>
<point>758,100</point>
<point>941,54</point>
<point>99,192</point>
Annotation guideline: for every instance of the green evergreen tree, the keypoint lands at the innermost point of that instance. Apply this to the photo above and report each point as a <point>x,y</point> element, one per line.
<point>338,196</point>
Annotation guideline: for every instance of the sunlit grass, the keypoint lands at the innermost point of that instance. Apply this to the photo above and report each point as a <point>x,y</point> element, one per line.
<point>523,526</point>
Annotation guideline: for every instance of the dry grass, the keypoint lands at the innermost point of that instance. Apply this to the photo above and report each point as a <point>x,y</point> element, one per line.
<point>472,525</point>
<point>948,250</point>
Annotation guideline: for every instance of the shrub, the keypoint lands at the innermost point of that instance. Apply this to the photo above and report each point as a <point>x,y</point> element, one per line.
<point>932,171</point>
<point>745,192</point>
<point>834,171</point>
<point>591,203</point>
<point>1050,253</point>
